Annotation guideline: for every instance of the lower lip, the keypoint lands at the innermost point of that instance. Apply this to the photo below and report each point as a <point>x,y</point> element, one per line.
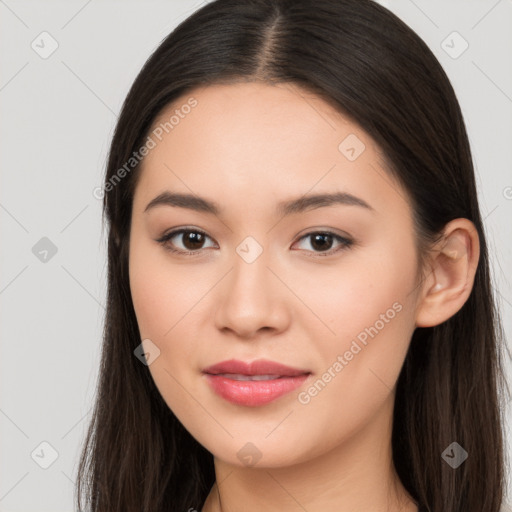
<point>253,393</point>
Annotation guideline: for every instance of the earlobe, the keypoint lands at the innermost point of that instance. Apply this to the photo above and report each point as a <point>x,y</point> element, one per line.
<point>452,272</point>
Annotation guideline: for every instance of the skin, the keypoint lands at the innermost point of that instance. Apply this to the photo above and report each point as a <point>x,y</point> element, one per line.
<point>247,147</point>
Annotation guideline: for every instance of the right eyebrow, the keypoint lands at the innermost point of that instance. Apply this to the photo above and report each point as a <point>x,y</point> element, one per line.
<point>189,201</point>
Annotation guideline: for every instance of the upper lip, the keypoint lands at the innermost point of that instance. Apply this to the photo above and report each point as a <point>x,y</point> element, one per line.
<point>258,367</point>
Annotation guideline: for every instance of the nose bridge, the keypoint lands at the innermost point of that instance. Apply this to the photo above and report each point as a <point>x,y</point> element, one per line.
<point>251,299</point>
<point>249,277</point>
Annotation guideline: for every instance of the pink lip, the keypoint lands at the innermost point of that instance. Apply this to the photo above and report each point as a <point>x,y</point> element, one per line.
<point>253,393</point>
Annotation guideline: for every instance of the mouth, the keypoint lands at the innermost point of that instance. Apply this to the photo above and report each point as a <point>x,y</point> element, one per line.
<point>240,376</point>
<point>253,384</point>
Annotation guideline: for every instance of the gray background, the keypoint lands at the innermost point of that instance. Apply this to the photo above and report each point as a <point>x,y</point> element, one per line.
<point>58,115</point>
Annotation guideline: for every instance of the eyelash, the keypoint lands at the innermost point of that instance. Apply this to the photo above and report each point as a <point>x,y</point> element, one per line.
<point>345,242</point>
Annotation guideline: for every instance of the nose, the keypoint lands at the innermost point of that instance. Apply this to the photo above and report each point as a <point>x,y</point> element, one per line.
<point>252,300</point>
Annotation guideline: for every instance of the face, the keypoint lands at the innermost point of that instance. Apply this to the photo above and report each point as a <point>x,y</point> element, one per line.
<point>325,285</point>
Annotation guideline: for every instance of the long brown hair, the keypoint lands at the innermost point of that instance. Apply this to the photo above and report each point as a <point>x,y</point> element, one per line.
<point>374,69</point>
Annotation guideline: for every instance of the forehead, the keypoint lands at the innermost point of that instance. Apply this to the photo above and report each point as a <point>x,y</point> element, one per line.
<point>259,112</point>
<point>268,140</point>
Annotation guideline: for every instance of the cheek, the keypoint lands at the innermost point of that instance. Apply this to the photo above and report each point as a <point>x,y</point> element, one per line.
<point>163,300</point>
<point>370,314</point>
<point>358,375</point>
<point>359,366</point>
<point>162,293</point>
<point>170,308</point>
<point>351,296</point>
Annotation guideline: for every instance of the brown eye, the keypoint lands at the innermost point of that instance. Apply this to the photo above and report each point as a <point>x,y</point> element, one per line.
<point>321,242</point>
<point>192,240</point>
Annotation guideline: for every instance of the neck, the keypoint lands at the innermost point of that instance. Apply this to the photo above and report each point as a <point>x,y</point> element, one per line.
<point>357,475</point>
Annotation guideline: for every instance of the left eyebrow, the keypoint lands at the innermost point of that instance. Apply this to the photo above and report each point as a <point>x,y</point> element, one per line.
<point>311,202</point>
<point>284,208</point>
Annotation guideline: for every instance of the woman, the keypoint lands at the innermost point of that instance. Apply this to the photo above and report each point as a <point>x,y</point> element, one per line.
<point>300,314</point>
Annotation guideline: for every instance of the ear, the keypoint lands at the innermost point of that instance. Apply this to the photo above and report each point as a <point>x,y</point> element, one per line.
<point>451,275</point>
